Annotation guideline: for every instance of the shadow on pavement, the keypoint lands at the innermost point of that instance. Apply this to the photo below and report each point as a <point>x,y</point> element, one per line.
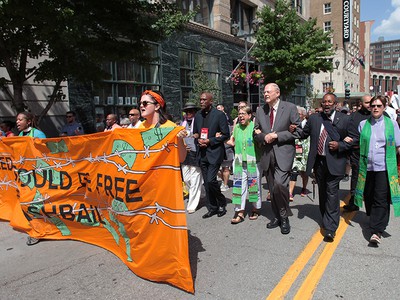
<point>195,246</point>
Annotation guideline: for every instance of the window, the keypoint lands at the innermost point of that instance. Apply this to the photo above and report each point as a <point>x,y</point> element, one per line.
<point>327,26</point>
<point>187,62</point>
<point>327,8</point>
<point>327,86</point>
<point>243,15</point>
<point>129,79</point>
<point>298,6</point>
<point>203,9</point>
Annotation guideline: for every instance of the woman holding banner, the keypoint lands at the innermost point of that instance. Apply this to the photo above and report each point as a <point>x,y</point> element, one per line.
<point>26,127</point>
<point>153,109</point>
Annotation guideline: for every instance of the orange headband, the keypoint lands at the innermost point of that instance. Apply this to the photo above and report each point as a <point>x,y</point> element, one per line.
<point>156,96</point>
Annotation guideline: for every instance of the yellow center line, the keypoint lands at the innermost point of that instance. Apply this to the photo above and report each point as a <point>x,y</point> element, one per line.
<point>295,269</point>
<point>307,289</point>
<point>309,285</point>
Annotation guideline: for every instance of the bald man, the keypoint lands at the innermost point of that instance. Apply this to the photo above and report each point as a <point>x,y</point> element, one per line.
<point>355,118</point>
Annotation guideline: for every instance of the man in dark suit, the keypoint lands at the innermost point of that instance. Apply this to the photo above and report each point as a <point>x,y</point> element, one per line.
<point>327,159</point>
<point>277,151</point>
<point>211,151</point>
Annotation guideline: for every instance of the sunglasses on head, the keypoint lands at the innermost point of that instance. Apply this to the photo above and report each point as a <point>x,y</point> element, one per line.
<point>145,103</point>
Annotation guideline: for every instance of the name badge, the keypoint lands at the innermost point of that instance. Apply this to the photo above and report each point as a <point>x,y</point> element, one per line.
<point>204,133</point>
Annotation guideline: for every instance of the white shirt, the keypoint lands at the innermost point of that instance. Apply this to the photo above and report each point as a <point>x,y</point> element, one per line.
<point>395,101</point>
<point>391,112</point>
<point>275,107</point>
<point>136,125</point>
<point>331,117</point>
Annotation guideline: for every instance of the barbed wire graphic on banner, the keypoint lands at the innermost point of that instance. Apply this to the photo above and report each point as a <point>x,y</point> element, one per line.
<point>59,162</point>
<point>120,149</point>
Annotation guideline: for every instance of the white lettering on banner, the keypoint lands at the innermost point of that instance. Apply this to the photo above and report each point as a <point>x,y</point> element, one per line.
<point>346,21</point>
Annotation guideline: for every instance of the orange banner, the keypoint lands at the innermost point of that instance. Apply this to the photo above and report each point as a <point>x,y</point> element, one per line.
<point>121,190</point>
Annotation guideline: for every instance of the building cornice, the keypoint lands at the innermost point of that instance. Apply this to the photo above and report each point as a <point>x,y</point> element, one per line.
<point>384,72</point>
<point>196,27</point>
<point>385,42</point>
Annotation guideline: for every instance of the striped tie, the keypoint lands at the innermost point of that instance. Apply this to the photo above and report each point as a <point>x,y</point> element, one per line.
<point>321,141</point>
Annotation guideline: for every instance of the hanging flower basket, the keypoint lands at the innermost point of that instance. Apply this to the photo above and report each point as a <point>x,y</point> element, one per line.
<point>238,76</point>
<point>255,77</point>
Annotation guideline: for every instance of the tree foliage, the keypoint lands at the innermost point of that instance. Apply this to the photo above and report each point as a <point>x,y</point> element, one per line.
<point>202,82</point>
<point>71,38</point>
<point>289,46</point>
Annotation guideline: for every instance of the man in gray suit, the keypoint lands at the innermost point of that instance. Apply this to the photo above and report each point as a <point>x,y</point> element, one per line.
<point>277,150</point>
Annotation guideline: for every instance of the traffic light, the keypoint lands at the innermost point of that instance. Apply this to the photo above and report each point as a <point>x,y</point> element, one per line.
<point>347,94</point>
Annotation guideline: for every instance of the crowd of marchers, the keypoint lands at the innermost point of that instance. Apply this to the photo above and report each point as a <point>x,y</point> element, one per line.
<point>279,141</point>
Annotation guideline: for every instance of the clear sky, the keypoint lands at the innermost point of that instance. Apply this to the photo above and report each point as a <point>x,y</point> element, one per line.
<point>386,14</point>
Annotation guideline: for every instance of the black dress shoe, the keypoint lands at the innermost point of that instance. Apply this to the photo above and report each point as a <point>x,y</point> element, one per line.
<point>285,226</point>
<point>351,207</point>
<point>274,223</point>
<point>209,214</point>
<point>329,237</point>
<point>221,211</point>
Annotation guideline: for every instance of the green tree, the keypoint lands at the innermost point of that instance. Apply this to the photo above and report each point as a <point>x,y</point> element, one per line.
<point>71,38</point>
<point>289,46</point>
<point>202,81</point>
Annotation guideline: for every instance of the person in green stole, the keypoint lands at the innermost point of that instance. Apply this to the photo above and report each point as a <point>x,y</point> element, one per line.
<point>377,181</point>
<point>246,177</point>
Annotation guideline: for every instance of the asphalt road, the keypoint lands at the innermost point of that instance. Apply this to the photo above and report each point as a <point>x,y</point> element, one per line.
<point>244,261</point>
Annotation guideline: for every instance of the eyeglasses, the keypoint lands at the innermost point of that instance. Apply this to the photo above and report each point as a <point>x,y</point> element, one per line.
<point>145,103</point>
<point>131,115</point>
<point>376,105</point>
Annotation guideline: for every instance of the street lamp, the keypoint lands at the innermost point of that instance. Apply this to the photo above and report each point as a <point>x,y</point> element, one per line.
<point>255,24</point>
<point>337,63</point>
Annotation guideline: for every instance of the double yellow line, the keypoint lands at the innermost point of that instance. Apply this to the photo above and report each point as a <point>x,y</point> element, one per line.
<point>307,288</point>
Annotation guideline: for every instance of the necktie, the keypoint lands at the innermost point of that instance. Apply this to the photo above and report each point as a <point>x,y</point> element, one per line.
<point>321,141</point>
<point>271,117</point>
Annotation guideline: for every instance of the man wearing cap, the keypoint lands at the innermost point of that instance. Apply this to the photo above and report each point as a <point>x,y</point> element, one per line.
<point>191,171</point>
<point>211,151</point>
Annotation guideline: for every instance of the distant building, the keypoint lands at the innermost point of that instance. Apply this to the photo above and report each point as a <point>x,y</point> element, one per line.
<point>342,18</point>
<point>385,55</point>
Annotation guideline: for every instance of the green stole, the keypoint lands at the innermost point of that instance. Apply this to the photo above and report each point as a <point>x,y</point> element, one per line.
<point>30,133</point>
<point>391,164</point>
<point>244,151</point>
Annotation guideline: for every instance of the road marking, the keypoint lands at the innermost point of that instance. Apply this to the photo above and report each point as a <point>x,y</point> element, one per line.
<point>307,289</point>
<point>295,269</point>
<point>308,286</point>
